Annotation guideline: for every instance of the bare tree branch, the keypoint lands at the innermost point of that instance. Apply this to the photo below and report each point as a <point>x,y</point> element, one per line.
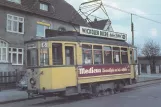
<point>150,50</point>
<point>138,50</point>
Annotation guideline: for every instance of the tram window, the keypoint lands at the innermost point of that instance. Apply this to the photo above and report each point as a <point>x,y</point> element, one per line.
<point>87,54</point>
<point>57,54</point>
<point>32,59</point>
<point>124,55</point>
<point>44,57</point>
<point>69,55</point>
<point>97,54</point>
<point>131,57</point>
<point>135,56</point>
<point>116,55</point>
<point>107,55</point>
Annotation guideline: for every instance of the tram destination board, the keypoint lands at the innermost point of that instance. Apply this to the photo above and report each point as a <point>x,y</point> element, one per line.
<point>102,33</point>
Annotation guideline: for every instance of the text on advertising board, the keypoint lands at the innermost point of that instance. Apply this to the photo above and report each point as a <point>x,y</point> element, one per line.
<point>102,33</point>
<point>98,70</point>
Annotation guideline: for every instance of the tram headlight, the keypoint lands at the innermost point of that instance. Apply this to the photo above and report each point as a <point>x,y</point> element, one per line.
<point>32,81</point>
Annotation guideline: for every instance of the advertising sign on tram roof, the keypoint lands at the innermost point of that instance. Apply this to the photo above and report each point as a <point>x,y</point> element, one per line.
<point>102,33</point>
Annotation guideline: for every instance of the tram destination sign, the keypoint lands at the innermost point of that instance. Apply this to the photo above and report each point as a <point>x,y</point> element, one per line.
<point>102,33</point>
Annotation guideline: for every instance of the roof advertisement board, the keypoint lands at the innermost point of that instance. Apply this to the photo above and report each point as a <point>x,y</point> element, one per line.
<point>102,33</point>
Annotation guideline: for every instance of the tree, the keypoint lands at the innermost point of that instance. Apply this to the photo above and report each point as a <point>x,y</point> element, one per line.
<point>151,50</point>
<point>139,53</point>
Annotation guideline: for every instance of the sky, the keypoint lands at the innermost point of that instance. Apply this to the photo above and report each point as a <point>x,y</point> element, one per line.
<point>144,30</point>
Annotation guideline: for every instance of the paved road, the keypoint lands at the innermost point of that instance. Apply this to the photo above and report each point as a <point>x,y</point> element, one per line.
<point>149,96</point>
<point>15,94</point>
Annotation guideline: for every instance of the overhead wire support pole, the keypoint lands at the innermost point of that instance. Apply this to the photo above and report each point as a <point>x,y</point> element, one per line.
<point>132,29</point>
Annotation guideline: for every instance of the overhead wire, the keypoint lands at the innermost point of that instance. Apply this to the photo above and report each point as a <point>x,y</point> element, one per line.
<point>95,6</point>
<point>104,10</point>
<point>132,13</point>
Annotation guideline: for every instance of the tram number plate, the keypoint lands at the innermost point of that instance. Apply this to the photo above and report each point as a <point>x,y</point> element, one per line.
<point>44,44</point>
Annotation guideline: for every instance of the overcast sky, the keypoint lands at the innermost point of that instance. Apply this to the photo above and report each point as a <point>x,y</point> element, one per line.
<point>144,29</point>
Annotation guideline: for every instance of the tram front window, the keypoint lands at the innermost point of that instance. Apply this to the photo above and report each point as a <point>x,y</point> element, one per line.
<point>69,55</point>
<point>44,57</point>
<point>32,59</point>
<point>57,54</point>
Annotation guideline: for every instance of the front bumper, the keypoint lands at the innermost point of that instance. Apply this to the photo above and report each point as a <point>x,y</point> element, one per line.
<point>43,92</point>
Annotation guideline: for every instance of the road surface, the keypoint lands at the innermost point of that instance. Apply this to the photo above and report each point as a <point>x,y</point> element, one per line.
<point>147,96</point>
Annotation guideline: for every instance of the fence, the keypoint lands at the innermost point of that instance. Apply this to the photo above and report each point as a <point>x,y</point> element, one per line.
<point>8,80</point>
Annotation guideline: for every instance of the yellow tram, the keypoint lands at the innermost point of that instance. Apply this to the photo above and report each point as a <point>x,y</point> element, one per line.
<point>90,61</point>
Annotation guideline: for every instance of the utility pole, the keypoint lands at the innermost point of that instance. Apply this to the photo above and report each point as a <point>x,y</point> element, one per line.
<point>132,30</point>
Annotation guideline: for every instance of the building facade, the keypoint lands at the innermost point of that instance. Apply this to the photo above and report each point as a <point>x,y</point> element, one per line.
<point>144,66</point>
<point>23,20</point>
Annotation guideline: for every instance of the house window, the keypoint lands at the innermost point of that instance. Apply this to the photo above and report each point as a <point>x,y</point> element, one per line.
<point>16,56</point>
<point>3,51</point>
<point>15,24</point>
<point>44,7</point>
<point>41,29</point>
<point>15,1</point>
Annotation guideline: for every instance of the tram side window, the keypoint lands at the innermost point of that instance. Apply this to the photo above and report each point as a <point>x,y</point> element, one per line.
<point>124,55</point>
<point>107,55</point>
<point>57,54</point>
<point>135,56</point>
<point>32,59</point>
<point>69,55</point>
<point>44,57</point>
<point>116,55</point>
<point>131,57</point>
<point>97,54</point>
<point>87,54</point>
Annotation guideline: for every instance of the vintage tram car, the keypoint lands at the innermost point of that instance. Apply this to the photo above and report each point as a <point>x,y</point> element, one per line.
<point>90,62</point>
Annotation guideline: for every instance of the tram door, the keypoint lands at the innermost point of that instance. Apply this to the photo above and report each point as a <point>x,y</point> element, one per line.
<point>69,55</point>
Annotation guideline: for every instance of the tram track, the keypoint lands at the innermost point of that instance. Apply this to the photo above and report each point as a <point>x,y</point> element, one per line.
<point>58,101</point>
<point>74,99</point>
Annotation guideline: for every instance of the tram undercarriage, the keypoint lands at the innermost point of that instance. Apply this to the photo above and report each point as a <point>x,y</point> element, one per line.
<point>86,90</point>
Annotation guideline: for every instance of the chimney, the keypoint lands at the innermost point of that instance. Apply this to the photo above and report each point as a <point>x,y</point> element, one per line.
<point>95,20</point>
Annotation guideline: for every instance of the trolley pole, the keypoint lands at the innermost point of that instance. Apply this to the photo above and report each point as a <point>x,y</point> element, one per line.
<point>132,30</point>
